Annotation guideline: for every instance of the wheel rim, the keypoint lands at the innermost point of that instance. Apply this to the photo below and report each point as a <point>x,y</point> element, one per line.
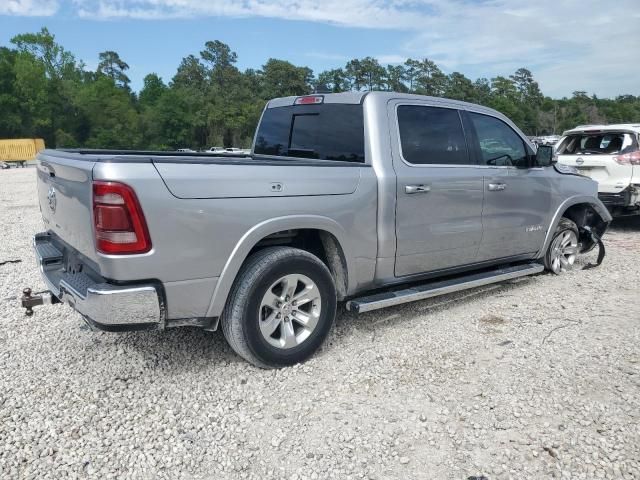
<point>289,311</point>
<point>563,251</point>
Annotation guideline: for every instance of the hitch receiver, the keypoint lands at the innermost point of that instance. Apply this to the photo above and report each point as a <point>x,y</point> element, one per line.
<point>30,300</point>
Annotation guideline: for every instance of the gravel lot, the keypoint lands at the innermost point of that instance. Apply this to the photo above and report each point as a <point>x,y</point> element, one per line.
<point>538,378</point>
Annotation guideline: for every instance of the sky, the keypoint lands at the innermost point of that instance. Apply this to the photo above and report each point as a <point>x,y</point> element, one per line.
<point>569,45</point>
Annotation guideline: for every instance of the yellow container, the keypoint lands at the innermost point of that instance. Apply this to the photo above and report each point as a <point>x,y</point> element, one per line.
<point>20,149</point>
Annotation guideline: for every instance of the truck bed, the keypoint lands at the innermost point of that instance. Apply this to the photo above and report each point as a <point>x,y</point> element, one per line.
<point>199,208</point>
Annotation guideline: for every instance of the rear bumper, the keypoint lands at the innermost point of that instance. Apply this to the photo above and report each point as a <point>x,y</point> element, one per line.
<point>627,198</point>
<point>103,305</point>
<point>621,199</point>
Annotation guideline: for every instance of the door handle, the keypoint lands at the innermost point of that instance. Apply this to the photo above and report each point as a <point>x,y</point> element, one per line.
<point>416,189</point>
<point>497,187</point>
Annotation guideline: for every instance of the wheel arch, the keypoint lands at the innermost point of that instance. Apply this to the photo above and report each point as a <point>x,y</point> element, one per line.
<point>584,211</point>
<point>335,251</point>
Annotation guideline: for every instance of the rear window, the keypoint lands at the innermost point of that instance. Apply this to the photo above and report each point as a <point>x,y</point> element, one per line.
<point>324,132</point>
<point>597,144</point>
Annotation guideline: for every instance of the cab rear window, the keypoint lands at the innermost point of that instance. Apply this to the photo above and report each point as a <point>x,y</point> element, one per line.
<point>605,143</point>
<point>323,132</point>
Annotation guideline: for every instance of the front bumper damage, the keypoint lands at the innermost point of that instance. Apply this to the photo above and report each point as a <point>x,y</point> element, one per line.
<point>105,305</point>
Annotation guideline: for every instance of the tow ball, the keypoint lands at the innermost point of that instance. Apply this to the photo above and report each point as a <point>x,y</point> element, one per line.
<point>30,300</point>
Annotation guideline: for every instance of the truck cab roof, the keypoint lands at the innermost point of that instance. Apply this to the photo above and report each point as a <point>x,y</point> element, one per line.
<point>359,97</point>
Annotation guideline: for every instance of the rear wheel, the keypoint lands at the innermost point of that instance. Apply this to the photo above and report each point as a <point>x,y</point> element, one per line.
<point>280,308</point>
<point>563,249</point>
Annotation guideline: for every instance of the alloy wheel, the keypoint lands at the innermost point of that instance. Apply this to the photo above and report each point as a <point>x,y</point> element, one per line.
<point>289,311</point>
<point>563,251</point>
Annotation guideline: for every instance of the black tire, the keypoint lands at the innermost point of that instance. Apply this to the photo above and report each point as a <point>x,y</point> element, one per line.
<point>240,319</point>
<point>564,225</point>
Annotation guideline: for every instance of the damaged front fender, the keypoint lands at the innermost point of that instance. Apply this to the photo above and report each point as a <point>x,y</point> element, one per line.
<point>589,214</point>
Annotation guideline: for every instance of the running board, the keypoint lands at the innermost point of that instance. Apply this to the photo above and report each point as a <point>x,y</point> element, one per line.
<point>433,289</point>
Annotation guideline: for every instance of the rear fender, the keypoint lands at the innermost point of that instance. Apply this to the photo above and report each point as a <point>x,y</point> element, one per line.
<point>251,238</point>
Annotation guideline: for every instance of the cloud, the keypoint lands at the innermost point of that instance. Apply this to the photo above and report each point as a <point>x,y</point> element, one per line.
<point>29,8</point>
<point>391,58</point>
<point>353,13</point>
<point>567,44</point>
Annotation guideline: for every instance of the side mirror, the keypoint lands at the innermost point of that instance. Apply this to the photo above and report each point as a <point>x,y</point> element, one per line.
<point>545,156</point>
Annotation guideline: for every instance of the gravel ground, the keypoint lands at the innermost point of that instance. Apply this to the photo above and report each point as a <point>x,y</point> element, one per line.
<point>538,378</point>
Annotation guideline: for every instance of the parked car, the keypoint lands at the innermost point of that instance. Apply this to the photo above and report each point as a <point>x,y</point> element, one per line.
<point>186,150</point>
<point>609,154</point>
<point>370,198</point>
<point>229,151</point>
<point>216,150</point>
<point>550,140</point>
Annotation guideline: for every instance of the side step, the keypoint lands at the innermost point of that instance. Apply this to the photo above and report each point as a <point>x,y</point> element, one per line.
<point>433,289</point>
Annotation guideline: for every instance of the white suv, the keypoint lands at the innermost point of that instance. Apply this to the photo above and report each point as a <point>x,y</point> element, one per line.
<point>610,155</point>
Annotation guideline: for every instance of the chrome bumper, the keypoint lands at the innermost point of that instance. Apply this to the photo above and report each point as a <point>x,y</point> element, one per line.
<point>104,305</point>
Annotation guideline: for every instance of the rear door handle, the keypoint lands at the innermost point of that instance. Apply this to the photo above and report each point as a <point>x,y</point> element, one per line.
<point>409,189</point>
<point>497,187</point>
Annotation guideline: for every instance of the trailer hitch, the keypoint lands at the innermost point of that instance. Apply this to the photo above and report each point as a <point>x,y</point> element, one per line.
<point>30,300</point>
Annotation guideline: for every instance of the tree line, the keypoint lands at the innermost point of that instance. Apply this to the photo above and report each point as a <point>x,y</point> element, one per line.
<point>45,91</point>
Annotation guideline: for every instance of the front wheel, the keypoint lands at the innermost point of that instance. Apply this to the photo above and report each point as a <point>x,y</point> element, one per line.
<point>563,249</point>
<point>280,308</point>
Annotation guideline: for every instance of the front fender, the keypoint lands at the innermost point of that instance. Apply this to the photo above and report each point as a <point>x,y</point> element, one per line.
<point>592,201</point>
<point>264,229</point>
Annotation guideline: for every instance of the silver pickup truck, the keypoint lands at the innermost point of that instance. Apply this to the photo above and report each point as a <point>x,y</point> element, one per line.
<point>373,199</point>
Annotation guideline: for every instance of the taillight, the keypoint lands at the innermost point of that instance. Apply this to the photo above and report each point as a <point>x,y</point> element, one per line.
<point>118,221</point>
<point>631,158</point>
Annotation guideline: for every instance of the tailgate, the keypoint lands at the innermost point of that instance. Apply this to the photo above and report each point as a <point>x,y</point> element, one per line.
<point>65,193</point>
<point>610,175</point>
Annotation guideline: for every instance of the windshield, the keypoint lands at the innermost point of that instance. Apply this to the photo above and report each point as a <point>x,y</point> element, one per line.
<point>602,143</point>
<point>325,132</point>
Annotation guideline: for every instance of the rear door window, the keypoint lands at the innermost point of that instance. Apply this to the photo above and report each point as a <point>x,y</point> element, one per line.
<point>432,136</point>
<point>499,144</point>
<point>324,132</point>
